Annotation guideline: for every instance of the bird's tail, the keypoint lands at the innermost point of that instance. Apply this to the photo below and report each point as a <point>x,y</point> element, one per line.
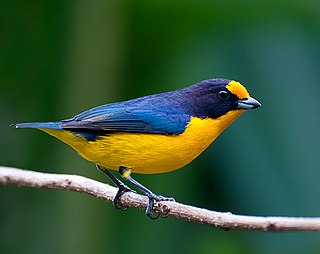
<point>44,125</point>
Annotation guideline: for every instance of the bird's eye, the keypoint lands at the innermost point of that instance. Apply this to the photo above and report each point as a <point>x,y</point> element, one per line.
<point>223,95</point>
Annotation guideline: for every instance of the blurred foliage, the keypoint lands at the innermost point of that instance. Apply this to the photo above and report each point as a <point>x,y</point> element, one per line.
<point>58,58</point>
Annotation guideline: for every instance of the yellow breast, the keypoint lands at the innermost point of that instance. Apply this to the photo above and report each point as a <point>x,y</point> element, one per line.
<point>149,153</point>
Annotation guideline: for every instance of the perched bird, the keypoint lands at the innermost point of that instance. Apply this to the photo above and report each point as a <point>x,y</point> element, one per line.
<point>152,134</point>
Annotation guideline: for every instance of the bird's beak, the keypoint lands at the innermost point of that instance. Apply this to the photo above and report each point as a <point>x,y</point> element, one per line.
<point>248,103</point>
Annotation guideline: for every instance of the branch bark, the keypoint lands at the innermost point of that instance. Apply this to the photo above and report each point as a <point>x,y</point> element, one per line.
<point>224,220</point>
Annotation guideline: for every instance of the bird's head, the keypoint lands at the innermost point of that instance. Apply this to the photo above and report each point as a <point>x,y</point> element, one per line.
<point>216,97</point>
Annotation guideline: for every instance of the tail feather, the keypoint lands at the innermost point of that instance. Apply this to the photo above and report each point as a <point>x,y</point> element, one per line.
<point>44,125</point>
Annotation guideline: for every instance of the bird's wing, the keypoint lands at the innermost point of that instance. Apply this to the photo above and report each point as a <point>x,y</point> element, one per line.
<point>119,117</point>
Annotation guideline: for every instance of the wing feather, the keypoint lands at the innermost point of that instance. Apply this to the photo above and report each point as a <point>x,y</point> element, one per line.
<point>119,117</point>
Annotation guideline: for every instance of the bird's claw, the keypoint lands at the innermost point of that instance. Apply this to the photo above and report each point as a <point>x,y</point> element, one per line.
<point>162,198</point>
<point>152,199</point>
<point>116,201</point>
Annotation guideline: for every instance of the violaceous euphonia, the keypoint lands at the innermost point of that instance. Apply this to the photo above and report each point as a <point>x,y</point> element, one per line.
<point>152,134</point>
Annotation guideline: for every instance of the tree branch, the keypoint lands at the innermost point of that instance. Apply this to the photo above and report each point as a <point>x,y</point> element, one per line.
<point>223,220</point>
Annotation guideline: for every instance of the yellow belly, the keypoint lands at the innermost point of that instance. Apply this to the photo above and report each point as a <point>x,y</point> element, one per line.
<point>149,153</point>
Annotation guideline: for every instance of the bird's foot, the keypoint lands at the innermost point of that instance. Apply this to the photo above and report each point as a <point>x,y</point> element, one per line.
<point>153,198</point>
<point>122,188</point>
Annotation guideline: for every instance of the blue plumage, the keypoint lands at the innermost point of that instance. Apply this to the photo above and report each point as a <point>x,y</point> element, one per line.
<point>121,117</point>
<point>39,125</point>
<point>165,113</point>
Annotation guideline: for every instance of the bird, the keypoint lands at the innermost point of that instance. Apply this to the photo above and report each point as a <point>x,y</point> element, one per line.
<point>151,134</point>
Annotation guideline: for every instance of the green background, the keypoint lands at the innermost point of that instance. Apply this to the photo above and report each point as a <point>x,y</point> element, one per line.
<point>58,58</point>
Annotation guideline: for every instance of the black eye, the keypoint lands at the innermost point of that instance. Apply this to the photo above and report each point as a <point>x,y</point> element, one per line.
<point>223,95</point>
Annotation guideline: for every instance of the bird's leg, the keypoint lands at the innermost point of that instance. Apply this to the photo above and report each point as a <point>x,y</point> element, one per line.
<point>126,174</point>
<point>122,188</point>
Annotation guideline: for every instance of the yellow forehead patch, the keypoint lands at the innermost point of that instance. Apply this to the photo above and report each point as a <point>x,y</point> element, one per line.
<point>238,90</point>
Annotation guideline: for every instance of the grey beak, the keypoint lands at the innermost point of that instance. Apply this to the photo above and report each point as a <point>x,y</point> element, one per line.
<point>249,103</point>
